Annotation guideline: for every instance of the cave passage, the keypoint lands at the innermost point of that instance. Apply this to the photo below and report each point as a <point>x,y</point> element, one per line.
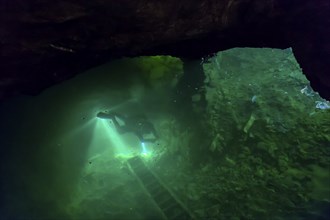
<point>239,135</point>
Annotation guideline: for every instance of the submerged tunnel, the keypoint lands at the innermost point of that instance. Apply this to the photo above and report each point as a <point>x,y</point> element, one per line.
<point>164,110</point>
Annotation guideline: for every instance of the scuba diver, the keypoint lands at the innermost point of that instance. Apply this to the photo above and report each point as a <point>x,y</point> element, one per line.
<point>137,124</point>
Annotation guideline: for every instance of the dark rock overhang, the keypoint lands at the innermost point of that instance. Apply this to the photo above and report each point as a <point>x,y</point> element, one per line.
<point>45,42</point>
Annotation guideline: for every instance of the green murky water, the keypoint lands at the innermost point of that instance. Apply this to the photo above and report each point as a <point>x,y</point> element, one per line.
<point>245,139</point>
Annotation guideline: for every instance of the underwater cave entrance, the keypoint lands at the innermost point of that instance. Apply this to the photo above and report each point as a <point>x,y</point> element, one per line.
<point>245,138</point>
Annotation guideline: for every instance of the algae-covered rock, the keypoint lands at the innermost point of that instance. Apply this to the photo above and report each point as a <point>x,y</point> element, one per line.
<point>159,70</point>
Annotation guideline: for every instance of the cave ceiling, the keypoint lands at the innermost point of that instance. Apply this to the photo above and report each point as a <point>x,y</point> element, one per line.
<point>45,42</point>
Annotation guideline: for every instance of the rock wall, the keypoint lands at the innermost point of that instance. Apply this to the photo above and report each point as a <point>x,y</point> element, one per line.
<point>44,42</point>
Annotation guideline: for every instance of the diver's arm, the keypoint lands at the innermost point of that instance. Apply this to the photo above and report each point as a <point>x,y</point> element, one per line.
<point>140,136</point>
<point>120,128</point>
<point>113,117</point>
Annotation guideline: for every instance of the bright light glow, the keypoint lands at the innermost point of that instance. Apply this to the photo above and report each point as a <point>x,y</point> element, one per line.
<point>144,149</point>
<point>121,145</point>
<point>86,127</point>
<point>145,152</point>
<point>107,132</point>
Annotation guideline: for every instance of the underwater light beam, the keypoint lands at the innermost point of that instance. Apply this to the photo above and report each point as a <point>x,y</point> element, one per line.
<point>88,125</point>
<point>145,152</point>
<point>105,128</point>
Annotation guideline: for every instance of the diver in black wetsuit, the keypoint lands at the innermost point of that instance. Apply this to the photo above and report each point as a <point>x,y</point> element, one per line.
<point>137,124</point>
